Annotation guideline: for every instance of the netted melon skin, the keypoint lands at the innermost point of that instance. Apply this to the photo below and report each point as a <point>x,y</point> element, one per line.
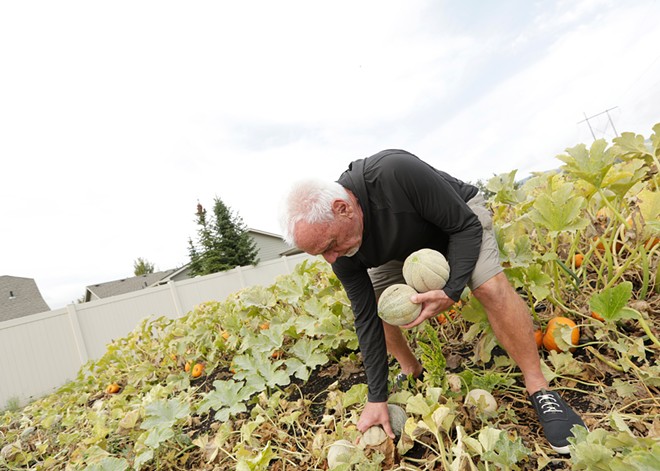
<point>395,307</point>
<point>426,270</point>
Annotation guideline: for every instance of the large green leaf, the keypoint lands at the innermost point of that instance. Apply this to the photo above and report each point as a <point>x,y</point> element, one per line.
<point>558,209</point>
<point>165,413</point>
<point>504,187</point>
<point>589,165</point>
<point>611,302</point>
<point>227,399</point>
<point>631,145</point>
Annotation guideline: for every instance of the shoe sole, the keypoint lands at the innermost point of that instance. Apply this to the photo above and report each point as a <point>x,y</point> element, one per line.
<point>562,450</point>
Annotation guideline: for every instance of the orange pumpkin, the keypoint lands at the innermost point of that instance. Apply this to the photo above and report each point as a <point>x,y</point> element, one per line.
<point>617,246</point>
<point>548,338</point>
<point>538,337</point>
<point>277,354</point>
<point>597,316</point>
<point>265,326</point>
<point>186,368</point>
<point>578,259</point>
<point>112,388</point>
<point>197,370</point>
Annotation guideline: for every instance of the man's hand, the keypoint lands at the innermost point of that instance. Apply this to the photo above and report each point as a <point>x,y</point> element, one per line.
<point>375,413</point>
<point>433,303</point>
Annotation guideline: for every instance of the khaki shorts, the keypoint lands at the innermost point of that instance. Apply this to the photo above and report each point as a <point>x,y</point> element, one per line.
<point>488,265</point>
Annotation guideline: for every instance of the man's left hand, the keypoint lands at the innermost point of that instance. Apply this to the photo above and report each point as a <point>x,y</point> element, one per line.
<point>433,303</point>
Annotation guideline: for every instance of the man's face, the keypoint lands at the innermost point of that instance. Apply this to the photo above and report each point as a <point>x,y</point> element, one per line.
<point>341,237</point>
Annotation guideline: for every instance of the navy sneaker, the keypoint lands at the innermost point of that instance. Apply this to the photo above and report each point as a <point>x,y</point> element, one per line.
<point>556,417</point>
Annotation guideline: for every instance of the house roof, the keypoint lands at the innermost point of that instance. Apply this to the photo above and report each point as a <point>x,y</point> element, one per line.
<point>287,249</point>
<point>125,285</point>
<point>20,297</point>
<point>128,285</point>
<point>257,231</point>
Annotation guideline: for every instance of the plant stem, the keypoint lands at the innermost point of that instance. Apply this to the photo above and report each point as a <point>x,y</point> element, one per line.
<point>645,327</point>
<point>612,365</point>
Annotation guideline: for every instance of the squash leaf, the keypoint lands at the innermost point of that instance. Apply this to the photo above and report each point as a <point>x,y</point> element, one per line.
<point>558,209</point>
<point>589,165</point>
<point>611,302</point>
<point>227,399</point>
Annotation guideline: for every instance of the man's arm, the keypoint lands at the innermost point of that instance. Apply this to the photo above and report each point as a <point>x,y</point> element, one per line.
<point>438,202</point>
<point>368,325</point>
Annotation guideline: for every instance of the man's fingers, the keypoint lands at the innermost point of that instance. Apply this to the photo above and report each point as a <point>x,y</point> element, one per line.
<point>388,429</point>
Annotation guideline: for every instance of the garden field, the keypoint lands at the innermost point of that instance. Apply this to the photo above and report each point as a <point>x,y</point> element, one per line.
<point>270,377</point>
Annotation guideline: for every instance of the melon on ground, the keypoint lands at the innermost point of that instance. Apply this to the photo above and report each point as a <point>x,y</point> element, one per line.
<point>340,453</point>
<point>482,400</point>
<point>426,270</point>
<point>398,418</point>
<point>395,306</point>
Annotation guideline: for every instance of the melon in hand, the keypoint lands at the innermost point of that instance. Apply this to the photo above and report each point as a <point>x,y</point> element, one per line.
<point>426,270</point>
<point>395,306</point>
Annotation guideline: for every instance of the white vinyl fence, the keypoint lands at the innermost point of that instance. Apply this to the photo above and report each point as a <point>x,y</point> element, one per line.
<point>41,352</point>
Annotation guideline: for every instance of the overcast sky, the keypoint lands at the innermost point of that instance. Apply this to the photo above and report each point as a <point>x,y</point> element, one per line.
<point>116,118</point>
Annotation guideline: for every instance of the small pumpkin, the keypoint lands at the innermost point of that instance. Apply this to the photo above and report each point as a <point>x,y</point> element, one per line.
<point>651,242</point>
<point>112,388</point>
<point>187,367</point>
<point>426,270</point>
<point>578,259</point>
<point>549,340</point>
<point>197,370</point>
<point>277,354</point>
<point>395,306</point>
<point>597,316</point>
<point>538,338</point>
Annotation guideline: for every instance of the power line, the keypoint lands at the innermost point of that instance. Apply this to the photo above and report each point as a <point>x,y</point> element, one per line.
<point>607,112</point>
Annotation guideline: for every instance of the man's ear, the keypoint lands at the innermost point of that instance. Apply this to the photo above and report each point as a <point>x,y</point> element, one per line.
<point>341,208</point>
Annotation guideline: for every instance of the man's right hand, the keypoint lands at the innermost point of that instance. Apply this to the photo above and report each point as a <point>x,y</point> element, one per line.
<point>433,303</point>
<point>375,413</point>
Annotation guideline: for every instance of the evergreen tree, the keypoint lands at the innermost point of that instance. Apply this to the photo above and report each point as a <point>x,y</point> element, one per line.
<point>142,266</point>
<point>223,242</point>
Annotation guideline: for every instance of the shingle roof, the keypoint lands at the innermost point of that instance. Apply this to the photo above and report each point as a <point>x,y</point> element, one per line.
<point>125,285</point>
<point>19,297</point>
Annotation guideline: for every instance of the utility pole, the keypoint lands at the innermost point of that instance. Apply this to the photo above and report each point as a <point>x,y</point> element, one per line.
<point>607,112</point>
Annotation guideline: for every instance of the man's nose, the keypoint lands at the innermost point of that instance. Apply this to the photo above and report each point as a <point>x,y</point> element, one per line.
<point>330,257</point>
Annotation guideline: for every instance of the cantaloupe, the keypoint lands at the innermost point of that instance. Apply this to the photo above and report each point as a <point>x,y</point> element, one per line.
<point>374,436</point>
<point>426,270</point>
<point>398,418</point>
<point>340,453</point>
<point>482,400</point>
<point>395,306</point>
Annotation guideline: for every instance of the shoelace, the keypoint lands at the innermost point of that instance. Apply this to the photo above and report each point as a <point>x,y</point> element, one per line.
<point>549,404</point>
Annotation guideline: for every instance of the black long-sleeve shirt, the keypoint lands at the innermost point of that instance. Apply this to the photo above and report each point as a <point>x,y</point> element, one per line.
<point>407,205</point>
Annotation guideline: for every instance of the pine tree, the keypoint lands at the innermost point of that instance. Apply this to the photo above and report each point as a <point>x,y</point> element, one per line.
<point>222,243</point>
<point>142,266</point>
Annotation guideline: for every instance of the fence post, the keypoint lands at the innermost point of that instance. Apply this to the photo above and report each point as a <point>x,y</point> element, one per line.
<point>239,270</point>
<point>77,334</point>
<point>175,299</point>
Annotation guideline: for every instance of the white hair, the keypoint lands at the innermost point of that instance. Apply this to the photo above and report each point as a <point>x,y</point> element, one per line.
<point>309,201</point>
